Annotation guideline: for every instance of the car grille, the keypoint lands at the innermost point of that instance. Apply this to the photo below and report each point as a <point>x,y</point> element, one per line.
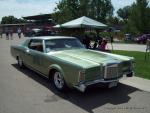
<point>93,73</point>
<point>112,71</point>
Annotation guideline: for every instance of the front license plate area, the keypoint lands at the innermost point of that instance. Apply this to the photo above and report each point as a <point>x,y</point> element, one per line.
<point>112,84</point>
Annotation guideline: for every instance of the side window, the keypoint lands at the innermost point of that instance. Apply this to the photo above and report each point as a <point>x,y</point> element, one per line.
<point>36,45</point>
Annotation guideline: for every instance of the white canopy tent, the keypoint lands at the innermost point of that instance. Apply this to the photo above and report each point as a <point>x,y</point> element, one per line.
<point>57,26</point>
<point>82,22</point>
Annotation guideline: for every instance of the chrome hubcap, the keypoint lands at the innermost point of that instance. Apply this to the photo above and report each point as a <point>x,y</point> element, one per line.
<point>58,80</point>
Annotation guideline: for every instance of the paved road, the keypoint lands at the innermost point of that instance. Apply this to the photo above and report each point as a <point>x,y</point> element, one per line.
<point>128,47</point>
<point>23,91</point>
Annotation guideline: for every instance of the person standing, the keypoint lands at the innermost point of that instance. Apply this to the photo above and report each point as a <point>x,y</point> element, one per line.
<point>11,33</point>
<point>103,45</point>
<point>1,32</point>
<point>100,39</point>
<point>7,35</point>
<point>95,44</point>
<point>87,42</point>
<point>19,32</point>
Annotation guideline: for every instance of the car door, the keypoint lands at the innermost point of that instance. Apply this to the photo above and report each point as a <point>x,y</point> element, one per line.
<point>28,55</point>
<point>38,56</point>
<point>31,53</point>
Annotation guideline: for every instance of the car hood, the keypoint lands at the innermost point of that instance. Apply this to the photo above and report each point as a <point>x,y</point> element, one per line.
<point>88,58</point>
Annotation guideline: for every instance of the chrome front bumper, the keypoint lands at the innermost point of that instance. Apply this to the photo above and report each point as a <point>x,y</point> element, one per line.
<point>82,86</point>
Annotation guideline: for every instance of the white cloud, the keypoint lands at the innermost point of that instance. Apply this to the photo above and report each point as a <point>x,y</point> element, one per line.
<point>25,8</point>
<point>117,4</point>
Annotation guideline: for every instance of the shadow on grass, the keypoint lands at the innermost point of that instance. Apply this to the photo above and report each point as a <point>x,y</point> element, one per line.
<point>93,97</point>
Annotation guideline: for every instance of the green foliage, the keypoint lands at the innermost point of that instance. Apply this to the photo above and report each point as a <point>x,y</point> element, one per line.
<point>66,10</point>
<point>142,67</point>
<point>71,9</point>
<point>11,20</point>
<point>92,35</point>
<point>124,12</point>
<point>139,19</point>
<point>112,21</point>
<point>115,21</point>
<point>100,9</point>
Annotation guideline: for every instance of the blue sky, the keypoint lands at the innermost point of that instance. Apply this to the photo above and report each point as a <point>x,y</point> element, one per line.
<point>20,8</point>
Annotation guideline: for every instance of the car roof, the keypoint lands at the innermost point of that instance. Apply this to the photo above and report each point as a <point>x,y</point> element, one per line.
<point>52,37</point>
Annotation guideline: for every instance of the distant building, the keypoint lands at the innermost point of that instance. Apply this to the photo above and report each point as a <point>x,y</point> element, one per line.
<point>43,21</point>
<point>40,21</point>
<point>13,27</point>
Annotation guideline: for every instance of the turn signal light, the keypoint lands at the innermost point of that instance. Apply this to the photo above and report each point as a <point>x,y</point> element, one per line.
<point>81,76</point>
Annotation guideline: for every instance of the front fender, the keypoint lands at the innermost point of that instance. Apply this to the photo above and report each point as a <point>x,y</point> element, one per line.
<point>69,72</point>
<point>58,68</point>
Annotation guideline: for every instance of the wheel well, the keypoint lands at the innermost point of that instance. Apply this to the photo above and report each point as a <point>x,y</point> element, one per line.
<point>51,72</point>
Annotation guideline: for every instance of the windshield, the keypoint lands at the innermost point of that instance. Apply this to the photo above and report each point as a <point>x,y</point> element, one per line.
<point>61,44</point>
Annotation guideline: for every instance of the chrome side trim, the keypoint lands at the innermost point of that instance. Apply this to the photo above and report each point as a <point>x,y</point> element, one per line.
<point>33,69</point>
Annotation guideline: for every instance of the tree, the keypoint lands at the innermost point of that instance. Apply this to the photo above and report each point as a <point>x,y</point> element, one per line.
<point>124,12</point>
<point>139,19</point>
<point>84,6</point>
<point>66,10</point>
<point>112,21</point>
<point>70,9</point>
<point>11,20</point>
<point>101,9</point>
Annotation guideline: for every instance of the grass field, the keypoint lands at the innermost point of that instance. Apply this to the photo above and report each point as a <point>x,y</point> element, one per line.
<point>142,67</point>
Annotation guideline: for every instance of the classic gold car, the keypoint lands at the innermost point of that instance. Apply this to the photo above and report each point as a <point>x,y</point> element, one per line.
<point>69,64</point>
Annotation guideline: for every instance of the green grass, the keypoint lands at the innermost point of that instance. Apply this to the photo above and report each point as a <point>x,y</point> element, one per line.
<point>142,67</point>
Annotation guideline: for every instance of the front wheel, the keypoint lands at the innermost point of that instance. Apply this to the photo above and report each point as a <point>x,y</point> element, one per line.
<point>59,82</point>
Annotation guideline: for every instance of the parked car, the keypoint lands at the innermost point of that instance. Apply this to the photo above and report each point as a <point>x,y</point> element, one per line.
<point>39,32</point>
<point>129,37</point>
<point>69,64</point>
<point>143,38</point>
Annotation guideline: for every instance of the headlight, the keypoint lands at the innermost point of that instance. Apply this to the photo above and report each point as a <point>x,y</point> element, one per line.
<point>81,76</point>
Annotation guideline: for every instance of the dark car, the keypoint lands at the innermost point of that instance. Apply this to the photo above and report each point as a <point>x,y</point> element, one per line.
<point>143,38</point>
<point>39,32</point>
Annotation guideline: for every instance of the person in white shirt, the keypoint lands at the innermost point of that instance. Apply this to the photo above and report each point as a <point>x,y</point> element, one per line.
<point>19,32</point>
